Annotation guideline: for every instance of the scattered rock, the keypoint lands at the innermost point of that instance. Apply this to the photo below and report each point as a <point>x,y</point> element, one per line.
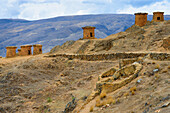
<point>139,81</point>
<point>165,105</point>
<point>155,70</point>
<point>2,110</point>
<point>70,106</point>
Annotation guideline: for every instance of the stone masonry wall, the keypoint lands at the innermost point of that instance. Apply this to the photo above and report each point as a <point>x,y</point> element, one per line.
<point>159,15</point>
<point>115,56</point>
<point>140,19</point>
<point>11,52</point>
<point>26,50</point>
<point>86,33</point>
<point>37,49</point>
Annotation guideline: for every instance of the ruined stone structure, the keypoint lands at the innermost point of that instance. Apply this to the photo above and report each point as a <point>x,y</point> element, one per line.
<point>140,19</point>
<point>26,50</point>
<point>88,32</point>
<point>37,49</point>
<point>158,16</point>
<point>11,51</point>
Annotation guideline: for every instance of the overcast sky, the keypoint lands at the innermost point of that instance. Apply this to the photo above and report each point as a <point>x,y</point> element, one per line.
<point>40,9</point>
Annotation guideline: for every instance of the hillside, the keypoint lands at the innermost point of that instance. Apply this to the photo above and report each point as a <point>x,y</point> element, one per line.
<point>127,72</point>
<point>148,38</point>
<point>56,31</point>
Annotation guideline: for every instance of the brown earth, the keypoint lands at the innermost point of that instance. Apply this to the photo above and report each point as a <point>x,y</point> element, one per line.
<point>148,38</point>
<point>38,84</point>
<point>26,83</point>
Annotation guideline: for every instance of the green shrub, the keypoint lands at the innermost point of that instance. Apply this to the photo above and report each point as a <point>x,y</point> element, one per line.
<point>49,99</point>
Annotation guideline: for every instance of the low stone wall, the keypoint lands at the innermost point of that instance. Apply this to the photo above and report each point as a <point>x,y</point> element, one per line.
<point>108,73</point>
<point>114,56</point>
<point>160,56</point>
<point>125,62</point>
<point>127,74</point>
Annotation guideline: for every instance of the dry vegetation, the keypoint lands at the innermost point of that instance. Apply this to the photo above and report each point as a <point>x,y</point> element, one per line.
<point>42,84</point>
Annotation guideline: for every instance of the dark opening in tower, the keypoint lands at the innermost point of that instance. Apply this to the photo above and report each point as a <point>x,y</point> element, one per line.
<point>91,35</point>
<point>158,18</point>
<point>29,52</point>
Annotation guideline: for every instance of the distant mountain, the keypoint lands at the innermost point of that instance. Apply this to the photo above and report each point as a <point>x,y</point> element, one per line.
<point>56,31</point>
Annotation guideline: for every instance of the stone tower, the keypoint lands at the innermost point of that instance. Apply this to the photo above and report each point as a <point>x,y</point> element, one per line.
<point>88,32</point>
<point>37,49</point>
<point>140,19</point>
<point>26,50</point>
<point>11,51</point>
<point>158,16</point>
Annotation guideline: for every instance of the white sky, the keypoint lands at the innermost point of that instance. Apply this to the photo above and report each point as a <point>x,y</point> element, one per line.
<point>40,9</point>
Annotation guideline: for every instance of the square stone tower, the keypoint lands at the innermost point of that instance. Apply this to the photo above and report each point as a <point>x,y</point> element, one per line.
<point>26,50</point>
<point>11,51</point>
<point>88,32</point>
<point>140,19</point>
<point>37,49</point>
<point>158,16</point>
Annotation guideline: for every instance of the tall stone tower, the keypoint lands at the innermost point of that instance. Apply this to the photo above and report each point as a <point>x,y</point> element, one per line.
<point>88,32</point>
<point>158,16</point>
<point>140,19</point>
<point>37,49</point>
<point>26,50</point>
<point>11,51</point>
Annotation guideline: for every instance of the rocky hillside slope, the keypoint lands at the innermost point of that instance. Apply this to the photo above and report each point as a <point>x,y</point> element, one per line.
<point>149,38</point>
<point>56,31</point>
<point>42,84</point>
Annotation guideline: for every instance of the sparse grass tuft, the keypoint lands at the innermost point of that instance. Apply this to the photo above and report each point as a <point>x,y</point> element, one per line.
<point>133,88</point>
<point>118,100</point>
<point>98,104</point>
<point>110,100</point>
<point>133,92</point>
<point>153,63</point>
<point>104,102</point>
<point>165,71</point>
<point>157,66</point>
<point>97,100</point>
<point>91,108</point>
<point>157,75</point>
<point>168,67</point>
<point>126,94</point>
<point>102,95</point>
<point>49,99</point>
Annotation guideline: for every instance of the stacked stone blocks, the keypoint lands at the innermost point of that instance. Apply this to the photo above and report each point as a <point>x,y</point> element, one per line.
<point>11,51</point>
<point>24,51</point>
<point>158,16</point>
<point>88,32</point>
<point>37,49</point>
<point>115,56</point>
